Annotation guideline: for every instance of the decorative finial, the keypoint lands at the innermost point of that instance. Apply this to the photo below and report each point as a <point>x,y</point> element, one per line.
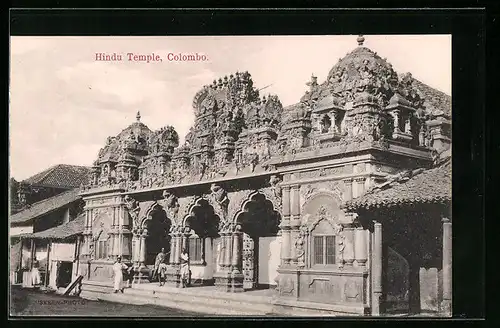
<point>360,40</point>
<point>138,116</point>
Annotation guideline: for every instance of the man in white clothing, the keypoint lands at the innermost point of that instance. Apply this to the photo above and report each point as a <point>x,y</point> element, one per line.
<point>118,268</point>
<point>184,268</point>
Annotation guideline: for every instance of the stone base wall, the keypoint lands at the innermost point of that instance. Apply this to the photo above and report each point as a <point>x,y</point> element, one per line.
<point>339,287</point>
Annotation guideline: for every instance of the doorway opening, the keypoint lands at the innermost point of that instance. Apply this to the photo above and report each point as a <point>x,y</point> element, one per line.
<point>259,224</point>
<point>64,274</point>
<point>158,226</point>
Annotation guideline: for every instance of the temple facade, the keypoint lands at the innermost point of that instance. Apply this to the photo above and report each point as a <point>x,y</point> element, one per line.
<point>255,193</point>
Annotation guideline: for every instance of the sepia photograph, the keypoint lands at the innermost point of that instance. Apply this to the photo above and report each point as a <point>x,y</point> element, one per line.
<point>230,176</point>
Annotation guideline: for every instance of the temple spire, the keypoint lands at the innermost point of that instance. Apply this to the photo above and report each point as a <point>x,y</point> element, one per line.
<point>138,116</point>
<point>360,39</point>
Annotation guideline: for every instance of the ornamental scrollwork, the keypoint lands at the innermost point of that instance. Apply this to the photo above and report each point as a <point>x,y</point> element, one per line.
<point>171,205</point>
<point>236,203</point>
<point>185,205</point>
<point>132,206</point>
<point>220,200</point>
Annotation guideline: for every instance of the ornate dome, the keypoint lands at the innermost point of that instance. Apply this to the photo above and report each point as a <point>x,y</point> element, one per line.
<point>362,70</point>
<point>133,137</point>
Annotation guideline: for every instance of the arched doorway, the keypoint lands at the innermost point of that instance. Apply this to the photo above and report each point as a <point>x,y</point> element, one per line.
<point>203,224</point>
<point>158,227</point>
<point>259,224</point>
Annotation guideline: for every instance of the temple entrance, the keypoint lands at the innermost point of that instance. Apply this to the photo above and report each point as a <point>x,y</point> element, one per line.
<point>259,224</point>
<point>158,227</point>
<point>204,224</point>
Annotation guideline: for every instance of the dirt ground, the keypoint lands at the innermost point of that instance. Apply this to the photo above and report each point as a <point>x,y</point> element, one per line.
<point>29,302</point>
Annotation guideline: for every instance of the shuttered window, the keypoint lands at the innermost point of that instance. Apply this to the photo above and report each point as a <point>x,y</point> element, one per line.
<point>324,250</point>
<point>195,249</point>
<point>102,249</point>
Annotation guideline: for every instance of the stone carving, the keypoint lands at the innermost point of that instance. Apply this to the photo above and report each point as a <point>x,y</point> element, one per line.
<point>237,200</point>
<point>287,286</point>
<point>351,291</point>
<point>311,190</point>
<point>133,209</point>
<point>219,195</point>
<point>300,245</point>
<point>236,131</point>
<point>185,205</point>
<point>171,205</point>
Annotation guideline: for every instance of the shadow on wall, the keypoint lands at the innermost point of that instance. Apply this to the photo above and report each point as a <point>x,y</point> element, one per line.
<point>398,286</point>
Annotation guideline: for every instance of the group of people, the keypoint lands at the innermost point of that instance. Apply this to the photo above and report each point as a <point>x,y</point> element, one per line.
<point>159,271</point>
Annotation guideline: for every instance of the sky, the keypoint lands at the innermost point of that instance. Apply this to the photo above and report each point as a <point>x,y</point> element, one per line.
<point>64,103</point>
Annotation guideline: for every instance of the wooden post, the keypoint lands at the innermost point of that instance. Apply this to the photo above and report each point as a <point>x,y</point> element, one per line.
<point>48,263</point>
<point>447,267</point>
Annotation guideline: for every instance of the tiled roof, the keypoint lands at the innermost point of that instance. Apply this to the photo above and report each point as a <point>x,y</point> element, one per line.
<point>417,187</point>
<point>61,176</point>
<point>46,206</point>
<point>435,100</point>
<point>62,231</point>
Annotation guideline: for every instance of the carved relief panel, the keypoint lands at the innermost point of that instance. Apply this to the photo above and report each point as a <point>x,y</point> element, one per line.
<point>249,263</point>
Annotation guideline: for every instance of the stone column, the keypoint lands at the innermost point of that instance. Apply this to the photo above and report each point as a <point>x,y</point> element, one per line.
<point>236,274</point>
<point>285,242</point>
<point>285,226</point>
<point>348,245</point>
<point>360,246</point>
<point>294,221</point>
<point>223,280</point>
<point>173,271</point>
<point>172,248</point>
<point>178,245</point>
<point>377,268</point>
<point>227,252</point>
<point>360,186</point>
<point>347,189</point>
<point>447,268</point>
<point>236,260</point>
<point>142,255</point>
<point>135,249</point>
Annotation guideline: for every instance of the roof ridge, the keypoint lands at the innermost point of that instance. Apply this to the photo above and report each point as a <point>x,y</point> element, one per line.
<point>48,199</point>
<point>49,171</point>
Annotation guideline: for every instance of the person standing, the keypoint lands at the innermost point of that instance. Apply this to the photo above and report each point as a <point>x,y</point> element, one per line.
<point>36,280</point>
<point>184,267</point>
<point>160,258</point>
<point>162,273</point>
<point>118,268</point>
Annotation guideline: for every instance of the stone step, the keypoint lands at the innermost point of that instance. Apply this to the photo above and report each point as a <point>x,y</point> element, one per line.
<point>216,303</point>
<point>238,306</point>
<point>186,306</point>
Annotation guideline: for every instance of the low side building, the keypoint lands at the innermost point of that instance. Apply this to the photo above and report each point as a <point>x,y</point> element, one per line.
<point>57,250</point>
<point>41,216</point>
<point>409,219</point>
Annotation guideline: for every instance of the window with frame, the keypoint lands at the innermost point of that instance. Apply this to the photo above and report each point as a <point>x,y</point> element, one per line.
<point>102,249</point>
<point>323,249</point>
<point>196,245</point>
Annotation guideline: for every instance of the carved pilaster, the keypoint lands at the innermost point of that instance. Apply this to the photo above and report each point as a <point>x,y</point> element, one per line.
<point>133,209</point>
<point>347,189</point>
<point>360,186</point>
<point>221,201</point>
<point>360,249</point>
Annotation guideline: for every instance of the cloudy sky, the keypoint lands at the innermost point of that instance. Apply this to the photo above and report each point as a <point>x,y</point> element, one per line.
<point>64,104</point>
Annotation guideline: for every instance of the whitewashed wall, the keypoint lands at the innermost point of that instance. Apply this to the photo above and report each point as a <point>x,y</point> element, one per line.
<point>269,259</point>
<point>40,251</point>
<point>62,252</point>
<point>207,271</point>
<point>16,231</point>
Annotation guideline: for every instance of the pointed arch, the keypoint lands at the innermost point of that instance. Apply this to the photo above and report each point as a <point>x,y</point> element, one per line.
<point>247,197</point>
